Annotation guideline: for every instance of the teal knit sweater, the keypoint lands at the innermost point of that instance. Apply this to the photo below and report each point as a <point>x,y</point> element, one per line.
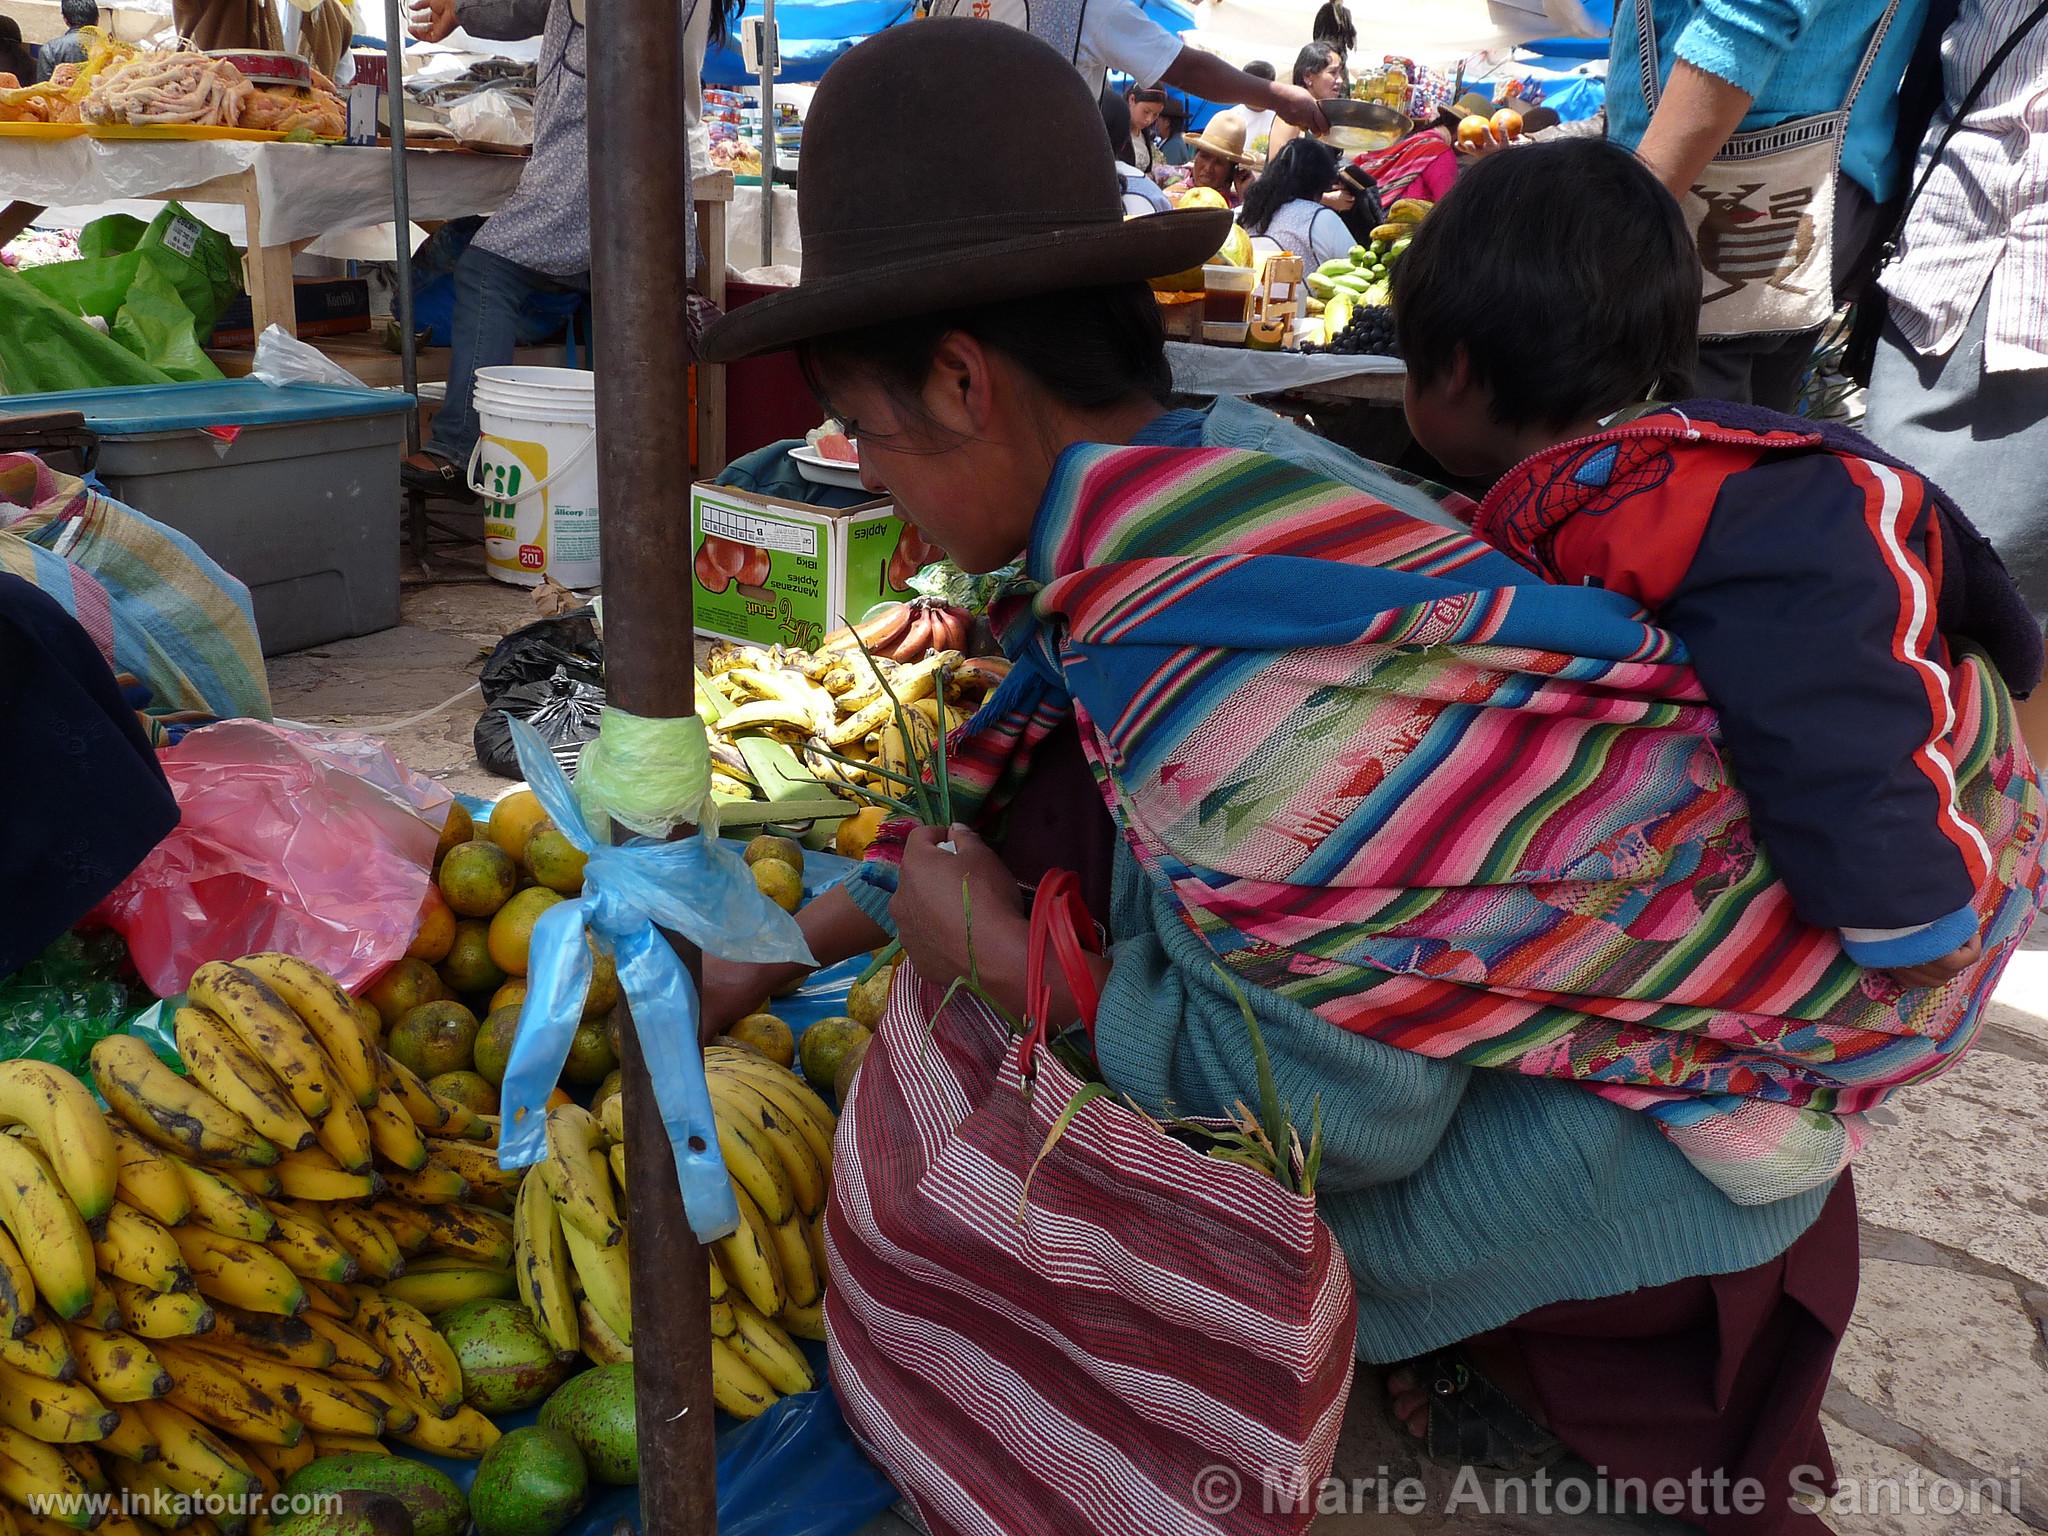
<point>1795,57</point>
<point>1462,1198</point>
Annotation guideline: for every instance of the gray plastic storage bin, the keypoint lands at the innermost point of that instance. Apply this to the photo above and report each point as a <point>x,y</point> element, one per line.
<point>302,505</point>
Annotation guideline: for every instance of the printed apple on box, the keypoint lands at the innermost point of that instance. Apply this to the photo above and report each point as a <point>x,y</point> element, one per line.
<point>772,572</point>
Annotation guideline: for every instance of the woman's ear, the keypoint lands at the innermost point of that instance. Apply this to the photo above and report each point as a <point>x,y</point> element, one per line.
<point>960,389</point>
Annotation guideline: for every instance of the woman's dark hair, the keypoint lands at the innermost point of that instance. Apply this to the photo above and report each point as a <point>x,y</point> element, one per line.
<point>1116,121</point>
<point>1304,168</point>
<point>725,15</point>
<point>14,54</point>
<point>1333,25</point>
<point>1566,274</point>
<point>1313,59</point>
<point>1090,348</point>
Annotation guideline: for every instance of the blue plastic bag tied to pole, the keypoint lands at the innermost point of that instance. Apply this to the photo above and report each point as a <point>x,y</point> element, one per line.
<point>698,888</point>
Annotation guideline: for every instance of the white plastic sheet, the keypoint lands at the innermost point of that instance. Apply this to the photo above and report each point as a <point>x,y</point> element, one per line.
<point>1199,370</point>
<point>303,190</point>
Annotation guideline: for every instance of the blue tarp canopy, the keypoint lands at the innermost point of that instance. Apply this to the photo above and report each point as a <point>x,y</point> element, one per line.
<point>1578,47</point>
<point>815,32</point>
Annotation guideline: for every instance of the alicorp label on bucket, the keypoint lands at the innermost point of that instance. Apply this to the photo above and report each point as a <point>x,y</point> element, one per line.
<point>760,575</point>
<point>515,521</point>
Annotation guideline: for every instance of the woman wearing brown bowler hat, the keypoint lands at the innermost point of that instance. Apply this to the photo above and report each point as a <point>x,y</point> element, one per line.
<point>1551,1270</point>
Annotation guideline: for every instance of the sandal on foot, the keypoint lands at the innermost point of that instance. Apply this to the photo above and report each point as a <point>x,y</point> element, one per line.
<point>1472,1423</point>
<point>437,477</point>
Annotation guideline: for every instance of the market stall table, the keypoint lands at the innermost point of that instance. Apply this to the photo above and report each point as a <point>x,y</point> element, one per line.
<point>1207,370</point>
<point>289,194</point>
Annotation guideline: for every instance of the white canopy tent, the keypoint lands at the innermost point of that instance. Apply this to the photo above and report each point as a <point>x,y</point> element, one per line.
<point>1437,32</point>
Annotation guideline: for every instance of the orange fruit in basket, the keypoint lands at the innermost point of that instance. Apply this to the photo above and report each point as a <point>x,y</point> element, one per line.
<point>511,933</point>
<point>436,935</point>
<point>857,831</point>
<point>514,820</point>
<point>457,829</point>
<point>510,995</point>
<point>407,985</point>
<point>825,1045</point>
<point>767,1034</point>
<point>478,877</point>
<point>469,968</point>
<point>466,1089</point>
<point>435,1038</point>
<point>556,862</point>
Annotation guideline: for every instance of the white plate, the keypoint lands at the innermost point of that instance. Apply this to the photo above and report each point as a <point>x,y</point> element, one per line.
<point>819,470</point>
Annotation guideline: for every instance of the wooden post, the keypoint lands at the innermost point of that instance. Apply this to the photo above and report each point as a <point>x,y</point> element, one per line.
<point>639,187</point>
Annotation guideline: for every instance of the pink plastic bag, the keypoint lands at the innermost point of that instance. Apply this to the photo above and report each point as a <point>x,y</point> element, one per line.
<point>319,844</point>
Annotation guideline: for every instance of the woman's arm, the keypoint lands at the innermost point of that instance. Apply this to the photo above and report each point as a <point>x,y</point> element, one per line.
<point>1697,115</point>
<point>1205,75</point>
<point>833,927</point>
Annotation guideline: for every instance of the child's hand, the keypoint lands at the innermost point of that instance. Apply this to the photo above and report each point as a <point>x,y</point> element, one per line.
<point>1935,972</point>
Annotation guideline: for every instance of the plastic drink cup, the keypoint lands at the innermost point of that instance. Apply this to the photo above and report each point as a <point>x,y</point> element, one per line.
<point>1227,303</point>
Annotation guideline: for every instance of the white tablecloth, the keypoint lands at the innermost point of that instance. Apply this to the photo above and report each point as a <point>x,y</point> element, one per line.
<point>1200,370</point>
<point>304,190</point>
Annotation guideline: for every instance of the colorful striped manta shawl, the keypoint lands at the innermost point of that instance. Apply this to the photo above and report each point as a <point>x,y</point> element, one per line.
<point>1386,776</point>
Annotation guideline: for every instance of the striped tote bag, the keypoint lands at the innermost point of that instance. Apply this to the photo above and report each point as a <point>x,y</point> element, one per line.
<point>1143,1340</point>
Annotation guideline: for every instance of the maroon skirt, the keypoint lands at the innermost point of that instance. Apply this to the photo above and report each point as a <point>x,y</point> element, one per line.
<point>1722,1374</point>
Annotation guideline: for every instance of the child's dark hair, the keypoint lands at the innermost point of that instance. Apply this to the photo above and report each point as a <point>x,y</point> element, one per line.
<point>1566,273</point>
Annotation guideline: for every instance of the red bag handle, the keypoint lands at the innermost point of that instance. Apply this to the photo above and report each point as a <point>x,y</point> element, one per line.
<point>1061,927</point>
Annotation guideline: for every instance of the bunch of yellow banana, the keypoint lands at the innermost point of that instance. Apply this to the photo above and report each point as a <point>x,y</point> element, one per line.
<point>233,1270</point>
<point>767,1279</point>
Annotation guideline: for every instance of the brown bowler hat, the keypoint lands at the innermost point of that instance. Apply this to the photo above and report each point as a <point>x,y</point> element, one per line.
<point>902,215</point>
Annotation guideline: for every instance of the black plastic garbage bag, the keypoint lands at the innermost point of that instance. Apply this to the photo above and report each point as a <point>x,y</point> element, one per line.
<point>551,675</point>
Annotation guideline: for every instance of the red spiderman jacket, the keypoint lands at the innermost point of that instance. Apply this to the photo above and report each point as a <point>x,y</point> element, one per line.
<point>1817,585</point>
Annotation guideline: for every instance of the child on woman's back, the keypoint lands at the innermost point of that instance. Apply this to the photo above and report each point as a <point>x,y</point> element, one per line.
<point>1816,584</point>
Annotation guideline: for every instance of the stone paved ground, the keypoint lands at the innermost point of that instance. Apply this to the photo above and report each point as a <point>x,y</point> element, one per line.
<point>1945,1370</point>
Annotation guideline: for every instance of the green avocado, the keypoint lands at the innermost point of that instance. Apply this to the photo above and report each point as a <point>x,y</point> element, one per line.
<point>596,1411</point>
<point>350,1514</point>
<point>432,1500</point>
<point>507,1362</point>
<point>531,1483</point>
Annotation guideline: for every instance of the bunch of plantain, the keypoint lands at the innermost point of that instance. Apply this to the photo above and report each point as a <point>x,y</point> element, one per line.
<point>233,1268</point>
<point>838,717</point>
<point>767,1278</point>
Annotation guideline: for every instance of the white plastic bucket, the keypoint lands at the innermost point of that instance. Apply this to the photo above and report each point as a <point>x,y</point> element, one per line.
<point>536,472</point>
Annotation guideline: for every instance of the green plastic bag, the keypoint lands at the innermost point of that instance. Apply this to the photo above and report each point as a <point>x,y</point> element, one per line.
<point>197,261</point>
<point>115,235</point>
<point>157,327</point>
<point>45,347</point>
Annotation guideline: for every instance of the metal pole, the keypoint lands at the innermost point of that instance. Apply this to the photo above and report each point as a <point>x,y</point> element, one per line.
<point>770,51</point>
<point>639,178</point>
<point>401,208</point>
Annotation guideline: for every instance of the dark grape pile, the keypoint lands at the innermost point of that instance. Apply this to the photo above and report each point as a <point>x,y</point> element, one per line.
<point>1370,334</point>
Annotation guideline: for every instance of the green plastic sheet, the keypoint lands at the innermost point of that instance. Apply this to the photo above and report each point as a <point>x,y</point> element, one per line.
<point>45,347</point>
<point>160,287</point>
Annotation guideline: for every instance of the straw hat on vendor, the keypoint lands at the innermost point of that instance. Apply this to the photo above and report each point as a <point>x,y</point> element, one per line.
<point>1190,750</point>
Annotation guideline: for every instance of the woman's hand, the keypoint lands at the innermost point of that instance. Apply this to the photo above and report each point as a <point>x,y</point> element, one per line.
<point>931,911</point>
<point>1492,142</point>
<point>1339,199</point>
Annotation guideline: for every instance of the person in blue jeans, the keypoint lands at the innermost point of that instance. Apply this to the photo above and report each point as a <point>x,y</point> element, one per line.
<point>539,242</point>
